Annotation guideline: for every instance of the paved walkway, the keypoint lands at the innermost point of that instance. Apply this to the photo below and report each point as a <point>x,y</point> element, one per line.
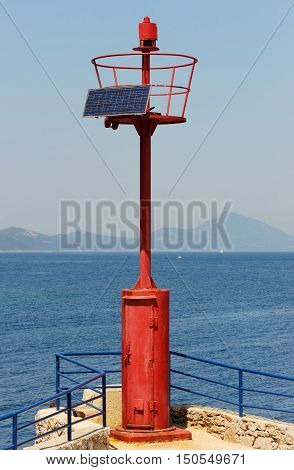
<point>201,440</point>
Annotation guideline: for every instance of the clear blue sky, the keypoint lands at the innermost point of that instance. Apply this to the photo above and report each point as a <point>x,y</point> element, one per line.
<point>45,157</point>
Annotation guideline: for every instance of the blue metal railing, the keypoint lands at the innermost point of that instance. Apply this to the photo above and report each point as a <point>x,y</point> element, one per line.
<point>234,396</point>
<point>87,369</point>
<point>239,387</point>
<point>69,396</point>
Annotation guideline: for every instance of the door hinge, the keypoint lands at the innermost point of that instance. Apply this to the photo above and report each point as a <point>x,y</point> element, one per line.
<point>153,406</point>
<point>127,356</point>
<point>153,322</point>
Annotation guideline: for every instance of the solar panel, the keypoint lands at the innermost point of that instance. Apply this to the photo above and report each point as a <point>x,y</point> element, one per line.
<point>115,101</point>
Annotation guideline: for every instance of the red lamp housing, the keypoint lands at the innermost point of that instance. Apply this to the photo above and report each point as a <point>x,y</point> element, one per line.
<point>147,35</point>
<point>147,30</point>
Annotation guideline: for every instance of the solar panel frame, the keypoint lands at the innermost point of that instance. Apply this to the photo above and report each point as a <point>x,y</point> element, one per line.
<point>117,101</point>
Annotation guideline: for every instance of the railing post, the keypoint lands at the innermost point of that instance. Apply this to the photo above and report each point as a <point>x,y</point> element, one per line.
<point>57,380</point>
<point>69,423</point>
<point>14,432</point>
<point>241,393</point>
<point>104,400</point>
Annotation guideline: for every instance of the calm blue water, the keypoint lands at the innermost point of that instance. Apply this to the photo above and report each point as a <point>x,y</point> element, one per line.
<point>237,308</point>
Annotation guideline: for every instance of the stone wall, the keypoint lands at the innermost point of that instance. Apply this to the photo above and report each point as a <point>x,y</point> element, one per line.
<point>91,439</point>
<point>250,430</point>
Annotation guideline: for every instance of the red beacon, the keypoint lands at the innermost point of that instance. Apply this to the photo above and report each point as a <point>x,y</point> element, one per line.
<point>148,34</point>
<point>145,307</point>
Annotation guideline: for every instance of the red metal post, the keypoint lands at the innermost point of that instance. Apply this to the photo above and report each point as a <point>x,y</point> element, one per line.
<point>145,207</point>
<point>144,130</point>
<point>146,68</point>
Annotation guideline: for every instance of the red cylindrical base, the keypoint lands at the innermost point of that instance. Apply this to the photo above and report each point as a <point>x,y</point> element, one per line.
<point>172,434</point>
<point>145,359</point>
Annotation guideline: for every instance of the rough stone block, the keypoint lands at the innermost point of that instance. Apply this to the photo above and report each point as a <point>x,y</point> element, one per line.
<point>247,440</point>
<point>264,443</point>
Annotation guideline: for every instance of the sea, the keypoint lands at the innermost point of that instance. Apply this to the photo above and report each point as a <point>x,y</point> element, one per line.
<point>235,308</point>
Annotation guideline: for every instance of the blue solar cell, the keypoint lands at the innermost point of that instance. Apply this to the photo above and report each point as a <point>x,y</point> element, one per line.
<point>115,101</point>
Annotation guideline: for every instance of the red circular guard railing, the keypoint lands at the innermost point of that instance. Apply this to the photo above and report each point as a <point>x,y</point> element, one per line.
<point>158,89</point>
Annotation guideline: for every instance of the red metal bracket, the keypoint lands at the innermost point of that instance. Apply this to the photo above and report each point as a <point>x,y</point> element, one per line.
<point>138,405</point>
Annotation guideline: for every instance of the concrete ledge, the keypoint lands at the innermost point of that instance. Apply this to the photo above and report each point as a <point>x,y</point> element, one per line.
<point>253,431</point>
<point>113,406</point>
<point>86,435</point>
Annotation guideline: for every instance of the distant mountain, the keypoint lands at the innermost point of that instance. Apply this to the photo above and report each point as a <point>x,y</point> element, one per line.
<point>20,239</point>
<point>241,234</point>
<point>247,234</point>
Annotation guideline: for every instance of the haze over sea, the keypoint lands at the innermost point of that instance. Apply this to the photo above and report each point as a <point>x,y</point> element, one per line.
<point>233,307</point>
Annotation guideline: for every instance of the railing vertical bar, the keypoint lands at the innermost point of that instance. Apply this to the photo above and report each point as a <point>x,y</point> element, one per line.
<point>69,423</point>
<point>170,91</point>
<point>115,76</point>
<point>188,89</point>
<point>241,407</point>
<point>98,76</point>
<point>57,380</point>
<point>14,432</point>
<point>104,418</point>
